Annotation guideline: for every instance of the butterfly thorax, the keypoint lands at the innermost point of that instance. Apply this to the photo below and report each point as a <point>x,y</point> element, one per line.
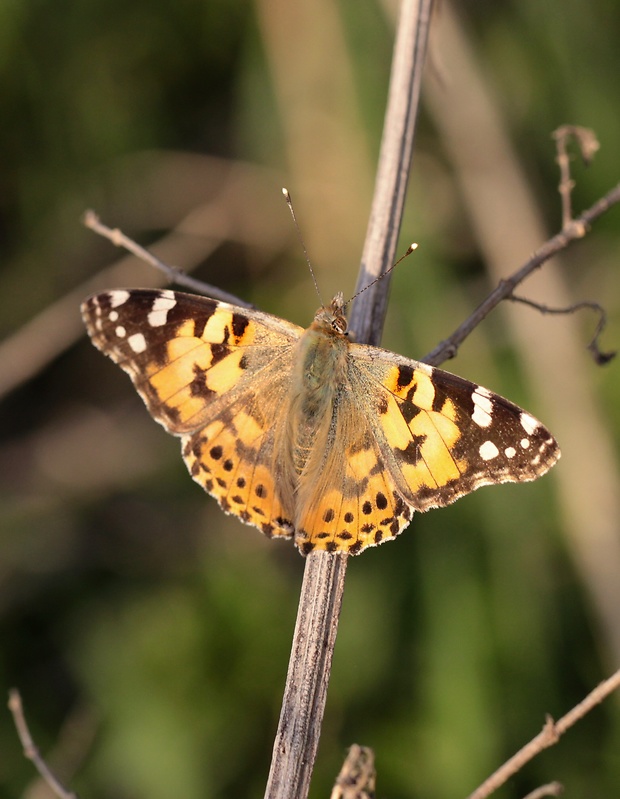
<point>320,374</point>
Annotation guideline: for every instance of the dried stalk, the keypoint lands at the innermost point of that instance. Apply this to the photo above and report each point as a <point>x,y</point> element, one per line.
<point>305,692</point>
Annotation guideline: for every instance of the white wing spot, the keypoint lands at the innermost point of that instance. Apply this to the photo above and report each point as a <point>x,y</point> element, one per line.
<point>137,342</point>
<point>113,316</point>
<point>118,298</point>
<point>120,331</point>
<point>525,443</point>
<point>483,407</point>
<point>528,423</point>
<point>510,452</point>
<point>488,451</point>
<point>159,313</point>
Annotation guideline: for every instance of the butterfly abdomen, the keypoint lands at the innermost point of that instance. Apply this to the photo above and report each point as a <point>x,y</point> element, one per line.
<point>319,373</point>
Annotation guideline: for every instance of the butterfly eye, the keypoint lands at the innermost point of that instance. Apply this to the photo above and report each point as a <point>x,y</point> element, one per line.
<point>339,324</point>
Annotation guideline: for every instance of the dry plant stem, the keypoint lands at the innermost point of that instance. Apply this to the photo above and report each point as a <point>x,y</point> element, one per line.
<point>320,601</point>
<point>368,313</point>
<point>30,749</point>
<point>550,735</point>
<point>599,356</point>
<point>551,789</point>
<point>588,145</point>
<point>298,732</point>
<point>174,275</point>
<point>576,229</point>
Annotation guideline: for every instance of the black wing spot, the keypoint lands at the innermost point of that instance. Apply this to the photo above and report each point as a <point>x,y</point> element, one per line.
<point>405,375</point>
<point>239,325</point>
<point>409,411</point>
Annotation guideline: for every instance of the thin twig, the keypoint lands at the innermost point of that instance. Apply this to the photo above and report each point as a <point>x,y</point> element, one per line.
<point>30,749</point>
<point>599,356</point>
<point>576,229</point>
<point>550,789</point>
<point>173,273</point>
<point>550,735</point>
<point>588,145</point>
<point>305,692</point>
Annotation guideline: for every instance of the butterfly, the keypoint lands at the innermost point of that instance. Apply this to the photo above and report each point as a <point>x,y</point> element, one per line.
<point>306,434</point>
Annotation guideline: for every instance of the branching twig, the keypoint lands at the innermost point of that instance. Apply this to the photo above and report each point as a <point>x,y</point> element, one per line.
<point>588,145</point>
<point>550,735</point>
<point>599,356</point>
<point>576,229</point>
<point>30,749</point>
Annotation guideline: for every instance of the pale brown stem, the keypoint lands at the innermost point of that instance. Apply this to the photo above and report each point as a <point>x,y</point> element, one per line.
<point>173,274</point>
<point>550,789</point>
<point>550,735</point>
<point>576,229</point>
<point>305,692</point>
<point>588,145</point>
<point>30,749</point>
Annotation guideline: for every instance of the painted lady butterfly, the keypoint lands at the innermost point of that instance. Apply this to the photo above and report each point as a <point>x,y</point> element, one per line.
<point>303,433</point>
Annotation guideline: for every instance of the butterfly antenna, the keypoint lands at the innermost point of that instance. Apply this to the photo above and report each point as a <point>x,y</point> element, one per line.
<point>289,202</point>
<point>407,253</point>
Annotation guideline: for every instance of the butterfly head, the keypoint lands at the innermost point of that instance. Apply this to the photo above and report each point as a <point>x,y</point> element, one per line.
<point>332,318</point>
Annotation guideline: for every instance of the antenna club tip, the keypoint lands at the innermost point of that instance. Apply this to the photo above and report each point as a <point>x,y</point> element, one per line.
<point>285,193</point>
<point>413,246</point>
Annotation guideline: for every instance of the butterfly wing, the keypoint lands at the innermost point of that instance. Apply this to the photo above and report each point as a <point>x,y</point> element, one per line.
<point>415,438</point>
<point>448,436</point>
<point>213,374</point>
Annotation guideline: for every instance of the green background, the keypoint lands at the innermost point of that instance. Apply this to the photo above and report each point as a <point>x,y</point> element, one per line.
<point>147,632</point>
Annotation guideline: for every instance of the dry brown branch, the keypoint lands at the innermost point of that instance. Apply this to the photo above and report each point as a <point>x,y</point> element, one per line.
<point>588,145</point>
<point>172,273</point>
<point>575,229</point>
<point>600,357</point>
<point>357,776</point>
<point>305,692</point>
<point>550,735</point>
<point>30,749</point>
<point>551,789</point>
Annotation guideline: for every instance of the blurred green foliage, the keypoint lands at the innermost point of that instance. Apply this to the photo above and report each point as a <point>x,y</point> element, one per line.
<point>147,632</point>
